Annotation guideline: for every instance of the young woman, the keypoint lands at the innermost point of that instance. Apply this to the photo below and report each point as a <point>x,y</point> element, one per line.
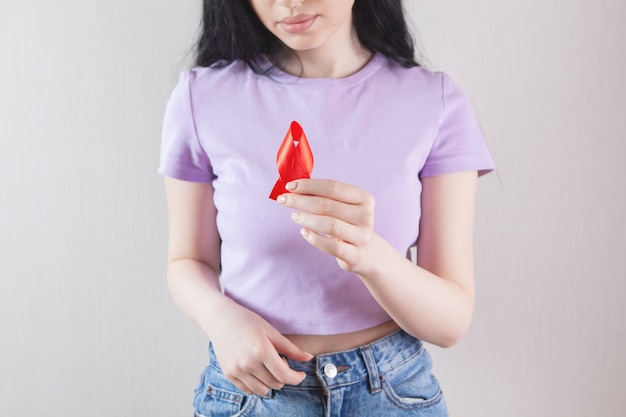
<point>310,301</point>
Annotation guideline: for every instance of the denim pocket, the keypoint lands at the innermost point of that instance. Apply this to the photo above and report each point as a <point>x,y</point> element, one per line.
<point>217,397</point>
<point>412,385</point>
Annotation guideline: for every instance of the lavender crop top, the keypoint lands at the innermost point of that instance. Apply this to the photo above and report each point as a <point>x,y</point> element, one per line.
<point>382,128</point>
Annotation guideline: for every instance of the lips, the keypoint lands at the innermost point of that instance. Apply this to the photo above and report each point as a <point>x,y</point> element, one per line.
<point>298,24</point>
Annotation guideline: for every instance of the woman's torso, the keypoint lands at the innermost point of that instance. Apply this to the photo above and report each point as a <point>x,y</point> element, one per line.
<point>319,344</point>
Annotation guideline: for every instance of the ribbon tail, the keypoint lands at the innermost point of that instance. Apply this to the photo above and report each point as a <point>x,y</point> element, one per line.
<point>279,188</point>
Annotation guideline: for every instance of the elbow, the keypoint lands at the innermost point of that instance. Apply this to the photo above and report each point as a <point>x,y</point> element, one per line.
<point>458,322</point>
<point>180,270</point>
<point>443,335</point>
<point>448,341</point>
<point>448,333</point>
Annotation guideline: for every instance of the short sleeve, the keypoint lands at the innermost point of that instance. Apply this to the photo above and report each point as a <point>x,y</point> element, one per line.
<point>459,144</point>
<point>182,156</point>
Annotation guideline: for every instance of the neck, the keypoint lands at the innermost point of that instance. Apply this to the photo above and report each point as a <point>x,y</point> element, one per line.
<point>332,60</point>
<point>315,65</point>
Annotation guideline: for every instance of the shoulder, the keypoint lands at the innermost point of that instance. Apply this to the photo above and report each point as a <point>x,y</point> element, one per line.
<point>416,73</point>
<point>216,75</point>
<point>417,82</point>
<point>217,86</point>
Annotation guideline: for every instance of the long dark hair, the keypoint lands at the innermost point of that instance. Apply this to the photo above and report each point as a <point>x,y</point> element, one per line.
<point>231,31</point>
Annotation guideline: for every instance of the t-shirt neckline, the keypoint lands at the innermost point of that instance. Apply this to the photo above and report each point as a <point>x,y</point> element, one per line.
<point>278,75</point>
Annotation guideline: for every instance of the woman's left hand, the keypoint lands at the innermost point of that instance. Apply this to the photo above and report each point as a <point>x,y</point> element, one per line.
<point>336,218</point>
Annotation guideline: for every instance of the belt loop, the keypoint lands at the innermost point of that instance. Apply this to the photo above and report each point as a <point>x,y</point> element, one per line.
<point>372,368</point>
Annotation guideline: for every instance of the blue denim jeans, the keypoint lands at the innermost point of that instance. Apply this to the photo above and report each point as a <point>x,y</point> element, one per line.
<point>387,378</point>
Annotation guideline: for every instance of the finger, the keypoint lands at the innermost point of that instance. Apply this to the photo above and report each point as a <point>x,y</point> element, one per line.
<point>279,367</point>
<point>349,213</point>
<point>288,348</point>
<point>280,370</point>
<point>346,253</point>
<point>333,190</point>
<point>250,385</point>
<point>260,379</point>
<point>329,226</point>
<point>322,206</point>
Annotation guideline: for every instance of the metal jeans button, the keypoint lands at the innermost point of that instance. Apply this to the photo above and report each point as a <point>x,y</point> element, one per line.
<point>330,370</point>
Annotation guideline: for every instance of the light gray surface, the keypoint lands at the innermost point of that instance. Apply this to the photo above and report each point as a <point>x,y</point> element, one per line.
<point>87,325</point>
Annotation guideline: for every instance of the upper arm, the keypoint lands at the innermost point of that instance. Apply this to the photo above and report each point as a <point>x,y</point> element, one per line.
<point>445,245</point>
<point>192,222</point>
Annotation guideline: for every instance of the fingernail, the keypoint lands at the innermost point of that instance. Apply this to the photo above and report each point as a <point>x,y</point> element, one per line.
<point>295,216</point>
<point>291,185</point>
<point>304,233</point>
<point>281,199</point>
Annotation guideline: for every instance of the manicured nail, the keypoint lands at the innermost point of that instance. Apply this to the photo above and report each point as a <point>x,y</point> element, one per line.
<point>295,216</point>
<point>291,185</point>
<point>304,233</point>
<point>281,199</point>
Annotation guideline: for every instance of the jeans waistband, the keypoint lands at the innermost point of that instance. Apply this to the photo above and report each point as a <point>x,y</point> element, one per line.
<point>367,362</point>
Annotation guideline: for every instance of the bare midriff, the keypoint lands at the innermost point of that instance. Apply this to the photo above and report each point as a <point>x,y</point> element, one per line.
<point>316,344</point>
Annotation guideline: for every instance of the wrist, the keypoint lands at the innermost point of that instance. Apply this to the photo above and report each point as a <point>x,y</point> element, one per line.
<point>378,258</point>
<point>215,307</point>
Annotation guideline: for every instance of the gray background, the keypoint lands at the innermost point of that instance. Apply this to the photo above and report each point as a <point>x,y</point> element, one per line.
<point>86,323</point>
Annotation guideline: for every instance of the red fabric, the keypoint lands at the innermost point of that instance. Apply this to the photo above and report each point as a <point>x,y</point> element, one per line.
<point>294,159</point>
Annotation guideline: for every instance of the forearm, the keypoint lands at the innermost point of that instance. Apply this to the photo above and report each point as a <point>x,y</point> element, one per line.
<point>429,307</point>
<point>194,286</point>
<point>433,301</point>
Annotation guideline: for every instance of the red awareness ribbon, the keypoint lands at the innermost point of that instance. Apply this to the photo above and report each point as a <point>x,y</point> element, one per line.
<point>294,159</point>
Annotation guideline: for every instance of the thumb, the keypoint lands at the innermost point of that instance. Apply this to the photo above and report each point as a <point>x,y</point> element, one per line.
<point>287,348</point>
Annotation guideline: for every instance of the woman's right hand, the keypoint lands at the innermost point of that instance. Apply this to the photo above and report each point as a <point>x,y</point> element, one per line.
<point>247,349</point>
<point>246,346</point>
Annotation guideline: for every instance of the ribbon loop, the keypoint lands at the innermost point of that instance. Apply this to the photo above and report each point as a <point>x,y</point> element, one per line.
<point>294,159</point>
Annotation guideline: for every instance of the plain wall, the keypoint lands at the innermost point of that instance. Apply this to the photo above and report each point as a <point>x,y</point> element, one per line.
<point>86,324</point>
